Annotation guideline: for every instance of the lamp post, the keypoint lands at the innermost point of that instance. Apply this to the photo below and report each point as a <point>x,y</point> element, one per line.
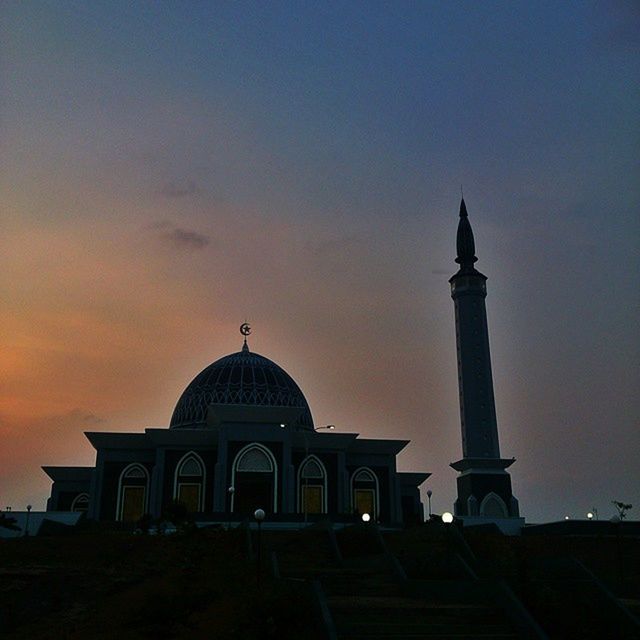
<point>230,491</point>
<point>259,514</point>
<point>447,519</point>
<point>26,529</point>
<point>328,427</point>
<point>429,494</point>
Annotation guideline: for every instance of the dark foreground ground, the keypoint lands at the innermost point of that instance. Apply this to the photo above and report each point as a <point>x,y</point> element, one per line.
<point>428,582</point>
<point>117,585</point>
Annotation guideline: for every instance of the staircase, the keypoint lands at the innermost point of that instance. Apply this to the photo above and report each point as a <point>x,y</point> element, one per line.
<point>367,592</point>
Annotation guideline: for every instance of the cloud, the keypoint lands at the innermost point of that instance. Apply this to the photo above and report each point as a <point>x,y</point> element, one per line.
<point>50,423</point>
<point>187,239</point>
<point>179,237</point>
<point>174,190</point>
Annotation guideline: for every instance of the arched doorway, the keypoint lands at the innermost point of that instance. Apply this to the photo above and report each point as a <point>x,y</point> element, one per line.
<point>255,480</point>
<point>493,506</point>
<point>189,482</point>
<point>365,494</point>
<point>312,486</point>
<point>132,493</point>
<point>80,503</point>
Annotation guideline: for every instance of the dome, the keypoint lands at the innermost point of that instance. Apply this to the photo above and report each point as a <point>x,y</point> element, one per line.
<point>242,378</point>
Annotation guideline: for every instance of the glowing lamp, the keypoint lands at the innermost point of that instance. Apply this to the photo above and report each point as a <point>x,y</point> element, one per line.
<point>447,517</point>
<point>366,517</point>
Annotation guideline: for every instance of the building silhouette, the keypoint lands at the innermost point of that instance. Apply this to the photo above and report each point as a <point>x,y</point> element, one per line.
<point>242,437</point>
<point>484,485</point>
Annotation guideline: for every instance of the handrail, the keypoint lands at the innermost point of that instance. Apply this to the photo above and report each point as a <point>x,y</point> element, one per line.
<point>629,619</point>
<point>519,614</point>
<point>325,613</point>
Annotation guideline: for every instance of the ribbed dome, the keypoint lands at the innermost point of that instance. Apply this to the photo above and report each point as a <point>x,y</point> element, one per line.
<point>242,378</point>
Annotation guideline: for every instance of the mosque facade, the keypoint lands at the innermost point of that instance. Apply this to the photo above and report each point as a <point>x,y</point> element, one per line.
<point>241,437</point>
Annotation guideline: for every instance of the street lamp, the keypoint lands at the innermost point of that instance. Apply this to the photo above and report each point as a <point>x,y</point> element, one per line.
<point>429,494</point>
<point>366,517</point>
<point>26,529</point>
<point>589,516</point>
<point>259,515</point>
<point>447,519</point>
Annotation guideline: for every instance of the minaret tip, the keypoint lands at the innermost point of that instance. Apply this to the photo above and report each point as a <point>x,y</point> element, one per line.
<point>465,244</point>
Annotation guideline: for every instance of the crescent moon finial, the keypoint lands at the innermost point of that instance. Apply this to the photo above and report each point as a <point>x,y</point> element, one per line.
<point>245,330</point>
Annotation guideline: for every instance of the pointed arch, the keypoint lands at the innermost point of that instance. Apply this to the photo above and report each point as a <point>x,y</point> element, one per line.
<point>190,481</point>
<point>312,475</point>
<point>257,460</point>
<point>80,503</point>
<point>365,491</point>
<point>493,506</point>
<point>133,493</point>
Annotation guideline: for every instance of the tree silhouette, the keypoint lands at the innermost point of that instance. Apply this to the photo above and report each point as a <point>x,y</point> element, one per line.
<point>622,508</point>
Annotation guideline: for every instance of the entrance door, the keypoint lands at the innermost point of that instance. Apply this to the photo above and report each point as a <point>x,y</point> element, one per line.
<point>189,495</point>
<point>312,498</point>
<point>132,503</point>
<point>253,491</point>
<point>365,502</point>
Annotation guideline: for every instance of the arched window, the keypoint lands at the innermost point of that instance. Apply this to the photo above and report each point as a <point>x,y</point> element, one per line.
<point>493,506</point>
<point>189,482</point>
<point>312,486</point>
<point>365,493</point>
<point>256,460</point>
<point>80,503</point>
<point>254,477</point>
<point>132,493</point>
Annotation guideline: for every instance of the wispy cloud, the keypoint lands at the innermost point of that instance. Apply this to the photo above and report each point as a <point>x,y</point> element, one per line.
<point>187,239</point>
<point>175,190</point>
<point>179,237</point>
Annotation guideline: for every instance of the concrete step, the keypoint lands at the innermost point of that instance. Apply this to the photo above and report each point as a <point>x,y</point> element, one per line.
<point>397,616</point>
<point>346,588</point>
<point>400,603</point>
<point>394,628</point>
<point>416,635</point>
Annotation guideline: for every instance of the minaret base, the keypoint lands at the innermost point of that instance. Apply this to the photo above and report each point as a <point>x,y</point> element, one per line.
<point>485,495</point>
<point>507,526</point>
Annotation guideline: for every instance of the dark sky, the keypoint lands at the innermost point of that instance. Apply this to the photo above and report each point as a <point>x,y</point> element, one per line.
<point>170,169</point>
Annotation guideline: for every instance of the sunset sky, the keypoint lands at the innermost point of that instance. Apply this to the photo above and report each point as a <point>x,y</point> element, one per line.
<point>170,169</point>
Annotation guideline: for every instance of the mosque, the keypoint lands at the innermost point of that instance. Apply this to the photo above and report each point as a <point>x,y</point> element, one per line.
<point>242,437</point>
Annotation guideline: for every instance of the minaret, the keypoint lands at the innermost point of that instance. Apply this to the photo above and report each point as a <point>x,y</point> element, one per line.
<point>484,487</point>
